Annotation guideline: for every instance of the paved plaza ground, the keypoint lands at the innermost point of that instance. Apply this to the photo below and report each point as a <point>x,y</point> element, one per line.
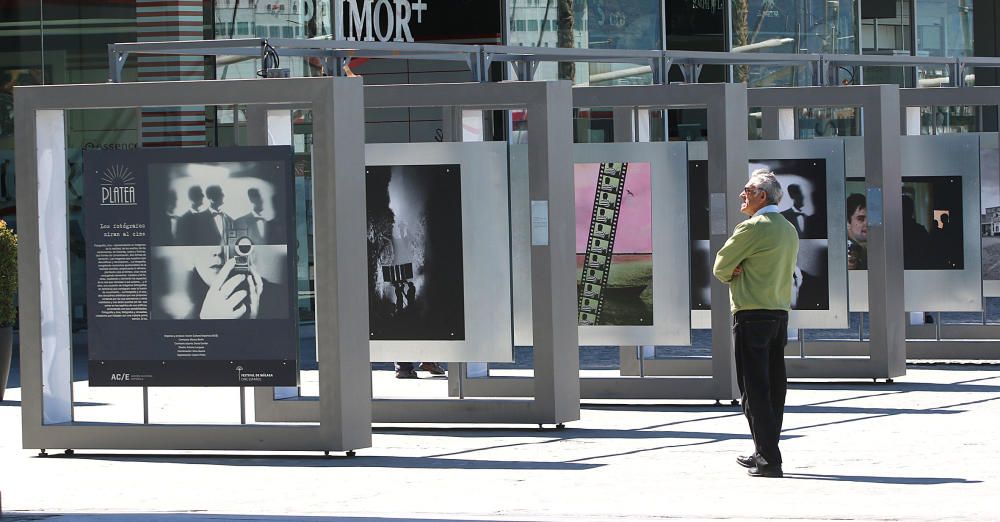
<point>923,448</point>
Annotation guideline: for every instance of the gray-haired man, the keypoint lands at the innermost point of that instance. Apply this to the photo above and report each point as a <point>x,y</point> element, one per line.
<point>758,262</point>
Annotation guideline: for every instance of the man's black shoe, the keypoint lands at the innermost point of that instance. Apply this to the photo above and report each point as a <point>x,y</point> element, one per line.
<point>766,470</point>
<point>747,461</point>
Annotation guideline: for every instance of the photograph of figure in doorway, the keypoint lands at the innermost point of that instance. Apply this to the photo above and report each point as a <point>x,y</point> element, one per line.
<point>932,221</point>
<point>614,244</point>
<point>803,205</point>
<point>219,241</point>
<point>415,271</point>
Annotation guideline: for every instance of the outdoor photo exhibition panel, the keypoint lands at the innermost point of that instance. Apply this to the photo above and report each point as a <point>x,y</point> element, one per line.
<point>812,176</point>
<point>627,199</point>
<point>941,224</point>
<point>438,252</point>
<point>885,356</point>
<point>184,325</point>
<point>554,396</point>
<point>175,236</point>
<point>715,379</point>
<point>911,102</point>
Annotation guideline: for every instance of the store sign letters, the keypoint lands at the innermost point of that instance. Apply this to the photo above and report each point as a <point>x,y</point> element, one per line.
<point>382,20</point>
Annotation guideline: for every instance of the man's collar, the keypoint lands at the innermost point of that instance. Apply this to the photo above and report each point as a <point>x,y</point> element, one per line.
<point>766,209</point>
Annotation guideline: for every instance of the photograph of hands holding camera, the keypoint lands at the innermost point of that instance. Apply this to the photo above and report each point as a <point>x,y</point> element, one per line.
<point>209,264</point>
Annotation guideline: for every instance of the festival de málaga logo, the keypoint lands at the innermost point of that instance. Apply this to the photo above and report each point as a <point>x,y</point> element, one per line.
<point>117,186</point>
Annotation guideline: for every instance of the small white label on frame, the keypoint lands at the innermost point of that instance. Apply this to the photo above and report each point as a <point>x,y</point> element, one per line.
<point>717,213</point>
<point>539,223</point>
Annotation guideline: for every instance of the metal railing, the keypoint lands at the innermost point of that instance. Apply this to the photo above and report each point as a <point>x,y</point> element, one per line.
<point>525,60</point>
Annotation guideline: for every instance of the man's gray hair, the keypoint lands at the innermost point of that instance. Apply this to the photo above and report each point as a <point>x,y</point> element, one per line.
<point>765,180</point>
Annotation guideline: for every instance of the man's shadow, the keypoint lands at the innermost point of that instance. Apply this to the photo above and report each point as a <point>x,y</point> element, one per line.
<point>916,481</point>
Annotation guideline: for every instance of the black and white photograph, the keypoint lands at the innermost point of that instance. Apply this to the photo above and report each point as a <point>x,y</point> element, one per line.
<point>932,221</point>
<point>216,203</point>
<point>243,281</point>
<point>415,270</point>
<point>804,183</point>
<point>811,280</point>
<point>701,264</point>
<point>218,236</point>
<point>804,205</point>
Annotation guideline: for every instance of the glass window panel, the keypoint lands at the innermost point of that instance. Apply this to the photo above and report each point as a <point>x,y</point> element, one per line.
<point>696,26</point>
<point>592,24</point>
<point>885,28</point>
<point>828,122</point>
<point>944,27</point>
<point>791,26</point>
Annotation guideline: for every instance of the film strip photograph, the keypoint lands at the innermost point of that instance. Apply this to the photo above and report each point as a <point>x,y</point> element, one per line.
<point>614,244</point>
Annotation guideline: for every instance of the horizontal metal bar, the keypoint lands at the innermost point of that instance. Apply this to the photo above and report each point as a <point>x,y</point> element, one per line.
<point>930,96</point>
<point>874,59</point>
<point>196,47</point>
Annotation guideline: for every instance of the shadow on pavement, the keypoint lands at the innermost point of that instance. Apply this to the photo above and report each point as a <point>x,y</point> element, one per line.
<point>25,516</point>
<point>320,461</point>
<point>882,480</point>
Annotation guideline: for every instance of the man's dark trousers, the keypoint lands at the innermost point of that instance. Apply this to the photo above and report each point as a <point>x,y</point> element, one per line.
<point>760,337</point>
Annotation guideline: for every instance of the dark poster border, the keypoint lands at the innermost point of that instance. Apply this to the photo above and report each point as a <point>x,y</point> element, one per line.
<point>137,347</point>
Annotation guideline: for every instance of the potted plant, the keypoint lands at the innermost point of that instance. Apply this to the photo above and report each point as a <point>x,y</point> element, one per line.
<point>8,301</point>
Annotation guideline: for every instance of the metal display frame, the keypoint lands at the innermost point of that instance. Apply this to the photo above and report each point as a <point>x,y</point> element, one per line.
<point>885,355</point>
<point>954,341</point>
<point>555,395</point>
<point>46,348</point>
<point>935,341</point>
<point>716,380</point>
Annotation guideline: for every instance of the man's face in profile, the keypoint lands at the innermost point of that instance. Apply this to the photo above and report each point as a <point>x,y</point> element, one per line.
<point>857,225</point>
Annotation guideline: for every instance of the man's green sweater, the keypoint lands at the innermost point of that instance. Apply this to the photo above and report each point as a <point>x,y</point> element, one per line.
<point>766,246</point>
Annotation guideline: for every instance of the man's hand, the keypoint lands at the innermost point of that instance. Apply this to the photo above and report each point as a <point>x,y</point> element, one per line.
<point>738,271</point>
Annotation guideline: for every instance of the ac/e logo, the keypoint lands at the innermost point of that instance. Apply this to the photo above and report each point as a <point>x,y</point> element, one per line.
<point>120,376</point>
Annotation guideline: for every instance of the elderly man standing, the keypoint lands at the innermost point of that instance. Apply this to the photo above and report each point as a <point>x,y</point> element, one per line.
<point>758,262</point>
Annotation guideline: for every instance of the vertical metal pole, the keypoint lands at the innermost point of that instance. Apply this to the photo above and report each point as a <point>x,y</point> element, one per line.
<point>883,182</point>
<point>145,405</point>
<point>243,405</point>
<point>727,173</point>
<point>553,262</point>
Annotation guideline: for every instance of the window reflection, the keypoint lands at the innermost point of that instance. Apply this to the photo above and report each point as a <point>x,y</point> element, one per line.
<point>791,26</point>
